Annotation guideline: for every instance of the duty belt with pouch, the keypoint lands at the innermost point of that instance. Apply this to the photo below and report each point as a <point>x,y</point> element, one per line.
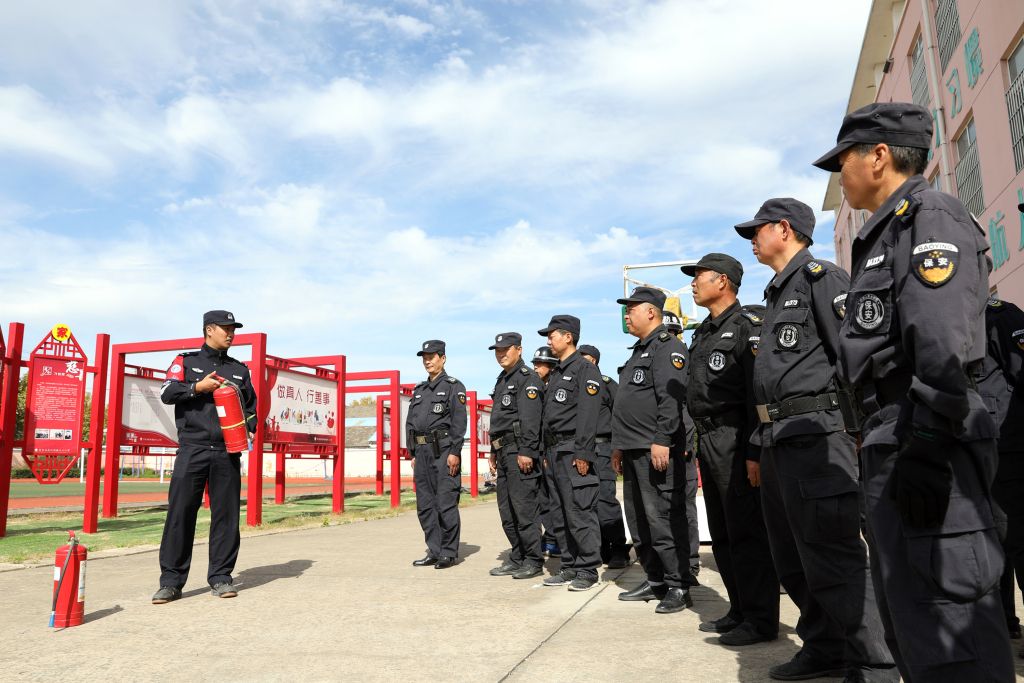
<point>508,439</point>
<point>555,438</point>
<point>433,438</point>
<point>771,412</point>
<point>704,425</point>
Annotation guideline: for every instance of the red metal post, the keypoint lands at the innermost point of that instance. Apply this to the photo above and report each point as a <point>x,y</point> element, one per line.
<point>474,443</point>
<point>380,446</point>
<point>279,478</point>
<point>254,504</point>
<point>8,414</point>
<point>115,405</point>
<point>396,439</point>
<point>338,487</point>
<point>99,395</point>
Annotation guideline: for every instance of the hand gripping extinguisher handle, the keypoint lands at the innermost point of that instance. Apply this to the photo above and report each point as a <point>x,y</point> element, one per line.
<point>72,543</point>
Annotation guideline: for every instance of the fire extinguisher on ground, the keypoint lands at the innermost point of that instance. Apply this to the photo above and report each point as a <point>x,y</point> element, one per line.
<point>232,419</point>
<point>69,584</point>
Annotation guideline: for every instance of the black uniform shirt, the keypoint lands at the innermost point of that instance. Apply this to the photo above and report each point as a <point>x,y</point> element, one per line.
<point>722,354</point>
<point>652,393</point>
<point>436,405</point>
<point>799,344</point>
<point>572,403</point>
<point>519,397</point>
<point>609,388</point>
<point>1001,379</point>
<point>917,305</point>
<point>195,415</point>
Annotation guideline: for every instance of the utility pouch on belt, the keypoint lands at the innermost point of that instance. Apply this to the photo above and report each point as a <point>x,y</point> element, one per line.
<point>849,407</point>
<point>435,441</point>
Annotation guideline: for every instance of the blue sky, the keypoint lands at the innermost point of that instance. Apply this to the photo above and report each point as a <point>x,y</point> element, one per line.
<point>357,177</point>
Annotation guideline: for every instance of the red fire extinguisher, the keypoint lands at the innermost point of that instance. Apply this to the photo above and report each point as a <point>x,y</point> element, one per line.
<point>69,584</point>
<point>232,419</point>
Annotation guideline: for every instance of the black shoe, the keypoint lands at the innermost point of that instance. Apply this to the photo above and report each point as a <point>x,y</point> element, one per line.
<point>584,581</point>
<point>445,563</point>
<point>528,571</point>
<point>506,569</point>
<point>619,561</point>
<point>803,667</point>
<point>675,600</point>
<point>723,625</point>
<point>695,570</point>
<point>562,578</point>
<point>745,634</point>
<point>425,562</point>
<point>223,590</point>
<point>166,594</point>
<point>645,592</point>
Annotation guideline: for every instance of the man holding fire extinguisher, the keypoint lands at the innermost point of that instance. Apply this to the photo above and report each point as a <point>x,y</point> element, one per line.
<point>204,459</point>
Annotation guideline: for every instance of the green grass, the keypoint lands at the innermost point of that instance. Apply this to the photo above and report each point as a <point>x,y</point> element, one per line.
<point>33,489</point>
<point>36,537</point>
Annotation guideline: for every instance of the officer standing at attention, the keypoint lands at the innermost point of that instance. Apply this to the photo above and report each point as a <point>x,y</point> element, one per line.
<point>203,460</point>
<point>649,437</point>
<point>543,363</point>
<point>1000,376</point>
<point>571,407</point>
<point>808,463</point>
<point>436,429</point>
<point>719,397</point>
<point>674,326</point>
<point>913,335</point>
<point>515,452</point>
<point>614,551</point>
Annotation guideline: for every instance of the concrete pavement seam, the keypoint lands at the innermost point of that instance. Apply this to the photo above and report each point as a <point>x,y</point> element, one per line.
<point>560,626</point>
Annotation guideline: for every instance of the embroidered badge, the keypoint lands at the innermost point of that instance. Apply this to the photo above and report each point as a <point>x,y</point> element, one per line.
<point>791,303</point>
<point>678,361</point>
<point>531,393</point>
<point>638,376</point>
<point>934,263</point>
<point>727,335</point>
<point>561,395</point>
<point>1018,338</point>
<point>754,343</point>
<point>870,312</point>
<point>593,387</point>
<point>874,262</point>
<point>789,336</point>
<point>438,408</point>
<point>462,397</point>
<point>506,400</point>
<point>716,361</point>
<point>839,305</point>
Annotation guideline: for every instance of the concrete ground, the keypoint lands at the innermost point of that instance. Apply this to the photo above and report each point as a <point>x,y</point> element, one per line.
<point>344,603</point>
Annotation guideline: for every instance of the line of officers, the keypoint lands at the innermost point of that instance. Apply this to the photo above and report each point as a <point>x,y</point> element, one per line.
<point>860,439</point>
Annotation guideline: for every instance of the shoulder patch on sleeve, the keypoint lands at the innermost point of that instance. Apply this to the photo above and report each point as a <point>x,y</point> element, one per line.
<point>592,387</point>
<point>462,397</point>
<point>934,263</point>
<point>678,361</point>
<point>664,336</point>
<point>751,316</point>
<point>814,269</point>
<point>177,370</point>
<point>839,305</point>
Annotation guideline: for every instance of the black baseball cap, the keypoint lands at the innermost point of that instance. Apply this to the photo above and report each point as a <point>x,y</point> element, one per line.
<point>220,318</point>
<point>544,355</point>
<point>720,263</point>
<point>569,323</point>
<point>896,123</point>
<point>588,350</point>
<point>431,346</point>
<point>799,215</point>
<point>645,295</point>
<point>505,340</point>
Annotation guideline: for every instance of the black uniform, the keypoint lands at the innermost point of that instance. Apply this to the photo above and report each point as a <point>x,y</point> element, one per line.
<point>809,468</point>
<point>609,511</point>
<point>648,410</point>
<point>1001,375</point>
<point>516,431</point>
<point>719,397</point>
<point>913,333</point>
<point>203,460</point>
<point>571,407</point>
<point>436,428</point>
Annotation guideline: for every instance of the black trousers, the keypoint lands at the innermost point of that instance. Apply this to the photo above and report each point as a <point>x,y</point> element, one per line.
<point>811,507</point>
<point>550,514</point>
<point>1008,492</point>
<point>194,468</point>
<point>609,511</point>
<point>656,513</point>
<point>576,499</point>
<point>692,518</point>
<point>437,501</point>
<point>739,540</point>
<point>938,588</point>
<point>519,507</point>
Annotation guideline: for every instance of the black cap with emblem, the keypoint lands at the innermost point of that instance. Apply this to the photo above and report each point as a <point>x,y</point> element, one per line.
<point>719,263</point>
<point>569,323</point>
<point>900,124</point>
<point>588,350</point>
<point>505,340</point>
<point>645,295</point>
<point>220,318</point>
<point>799,215</point>
<point>671,321</point>
<point>544,355</point>
<point>431,346</point>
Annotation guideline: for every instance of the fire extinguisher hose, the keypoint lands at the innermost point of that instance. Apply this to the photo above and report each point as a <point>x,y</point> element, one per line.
<point>63,573</point>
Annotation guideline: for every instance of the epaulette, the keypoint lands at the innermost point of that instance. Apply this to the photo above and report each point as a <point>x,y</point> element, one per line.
<point>906,209</point>
<point>814,270</point>
<point>664,336</point>
<point>606,378</point>
<point>525,370</point>
<point>751,316</point>
<point>995,303</point>
<point>452,380</point>
<point>188,353</point>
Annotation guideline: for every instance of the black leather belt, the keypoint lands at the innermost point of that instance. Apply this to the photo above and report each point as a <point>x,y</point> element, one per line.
<point>423,438</point>
<point>507,439</point>
<point>711,423</point>
<point>771,412</point>
<point>555,438</point>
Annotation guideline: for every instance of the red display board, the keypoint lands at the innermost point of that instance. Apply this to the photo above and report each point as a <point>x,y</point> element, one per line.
<point>54,405</point>
<point>303,408</point>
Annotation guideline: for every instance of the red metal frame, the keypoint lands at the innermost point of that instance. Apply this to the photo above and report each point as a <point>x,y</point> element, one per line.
<point>391,392</point>
<point>477,449</point>
<point>11,361</point>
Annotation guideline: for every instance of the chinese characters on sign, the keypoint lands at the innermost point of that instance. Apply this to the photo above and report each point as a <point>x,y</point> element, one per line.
<point>303,408</point>
<point>972,58</point>
<point>997,239</point>
<point>53,421</point>
<point>953,83</point>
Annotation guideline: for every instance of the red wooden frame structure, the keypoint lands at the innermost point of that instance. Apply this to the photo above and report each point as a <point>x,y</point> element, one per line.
<point>258,368</point>
<point>390,390</point>
<point>479,444</point>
